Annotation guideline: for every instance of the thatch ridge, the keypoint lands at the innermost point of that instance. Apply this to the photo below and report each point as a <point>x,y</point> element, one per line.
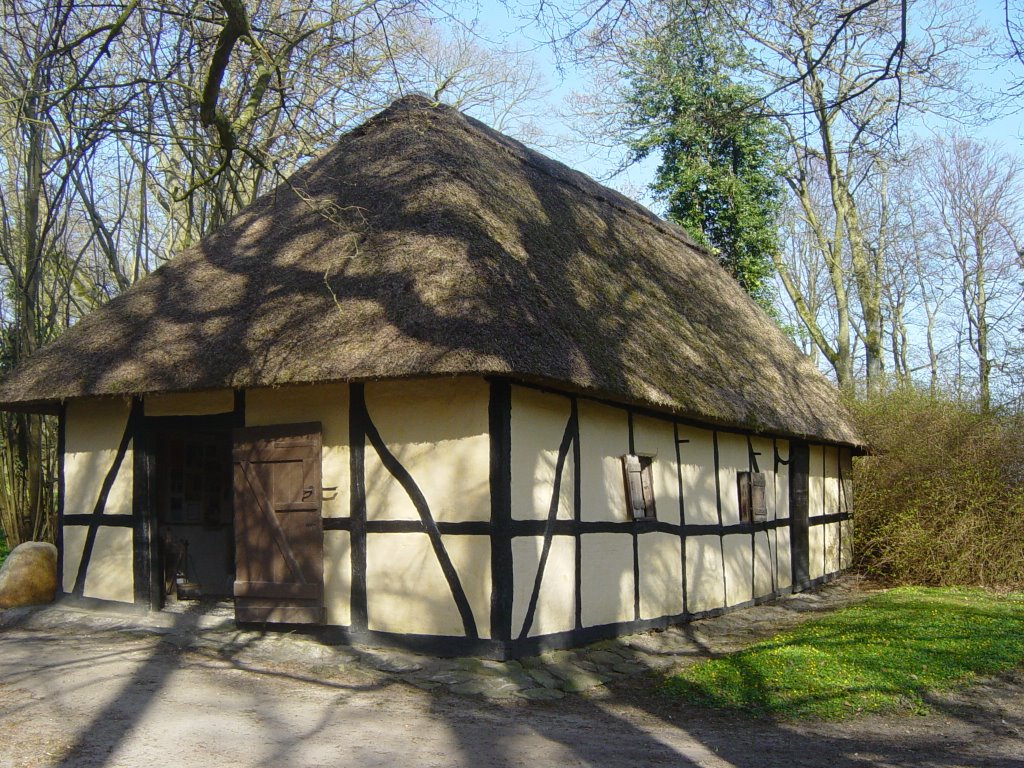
<point>582,182</point>
<point>426,244</point>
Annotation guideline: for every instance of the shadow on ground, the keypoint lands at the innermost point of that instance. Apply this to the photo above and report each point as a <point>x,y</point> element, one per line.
<point>196,690</point>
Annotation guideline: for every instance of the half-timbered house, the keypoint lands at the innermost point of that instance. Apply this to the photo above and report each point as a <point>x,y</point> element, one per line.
<point>441,390</point>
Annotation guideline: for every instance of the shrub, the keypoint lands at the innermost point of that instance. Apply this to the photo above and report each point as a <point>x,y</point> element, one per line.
<point>940,500</point>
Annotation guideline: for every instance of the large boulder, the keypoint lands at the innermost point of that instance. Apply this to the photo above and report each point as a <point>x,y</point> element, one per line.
<point>29,575</point>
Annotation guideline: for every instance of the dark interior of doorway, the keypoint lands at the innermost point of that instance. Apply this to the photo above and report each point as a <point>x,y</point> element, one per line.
<point>194,515</point>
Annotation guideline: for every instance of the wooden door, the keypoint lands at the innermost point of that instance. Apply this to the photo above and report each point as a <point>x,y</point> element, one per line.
<point>799,486</point>
<point>278,530</point>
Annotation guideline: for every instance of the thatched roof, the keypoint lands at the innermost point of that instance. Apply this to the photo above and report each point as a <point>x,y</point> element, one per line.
<point>423,244</point>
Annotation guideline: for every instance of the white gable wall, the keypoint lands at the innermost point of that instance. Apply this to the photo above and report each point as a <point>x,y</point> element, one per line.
<point>93,433</point>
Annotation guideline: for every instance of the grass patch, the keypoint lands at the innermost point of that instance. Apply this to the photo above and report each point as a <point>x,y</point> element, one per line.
<point>4,551</point>
<point>881,655</point>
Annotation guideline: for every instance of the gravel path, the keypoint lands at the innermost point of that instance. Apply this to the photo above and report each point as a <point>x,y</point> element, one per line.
<point>79,690</point>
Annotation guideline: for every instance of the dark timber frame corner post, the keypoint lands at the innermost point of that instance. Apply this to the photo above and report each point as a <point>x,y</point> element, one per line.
<point>357,417</point>
<point>238,409</point>
<point>145,554</point>
<point>500,428</point>
<point>62,427</point>
<point>799,495</point>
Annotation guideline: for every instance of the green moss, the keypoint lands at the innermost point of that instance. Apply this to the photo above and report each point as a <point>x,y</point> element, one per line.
<point>884,654</point>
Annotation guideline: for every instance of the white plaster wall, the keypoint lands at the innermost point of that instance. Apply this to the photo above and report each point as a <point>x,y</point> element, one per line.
<point>846,484</point>
<point>94,428</point>
<point>846,506</point>
<point>831,547</point>
<point>406,591</point>
<point>471,557</point>
<point>831,479</point>
<point>438,430</point>
<point>654,437</point>
<point>738,568</point>
<point>661,575</point>
<point>782,481</point>
<point>765,452</point>
<point>338,577</point>
<point>846,550</point>
<point>704,586</point>
<point>556,603</point>
<point>733,457</point>
<point>190,403</point>
<point>73,545</point>
<point>783,559</point>
<point>538,425</point>
<point>325,403</point>
<point>697,461</point>
<point>816,481</point>
<point>604,438</point>
<point>607,578</point>
<point>816,551</point>
<point>763,564</point>
<point>110,575</point>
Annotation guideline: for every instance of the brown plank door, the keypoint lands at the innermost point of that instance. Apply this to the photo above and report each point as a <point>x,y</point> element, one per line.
<point>279,539</point>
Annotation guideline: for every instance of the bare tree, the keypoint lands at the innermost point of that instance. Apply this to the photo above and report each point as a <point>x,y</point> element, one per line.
<point>917,251</point>
<point>299,75</point>
<point>841,119</point>
<point>130,130</point>
<point>51,58</point>
<point>839,79</point>
<point>977,193</point>
<point>501,86</point>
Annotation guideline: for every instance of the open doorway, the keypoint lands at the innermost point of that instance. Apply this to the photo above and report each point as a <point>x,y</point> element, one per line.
<point>194,516</point>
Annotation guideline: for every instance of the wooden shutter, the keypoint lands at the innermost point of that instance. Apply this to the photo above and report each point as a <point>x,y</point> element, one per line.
<point>632,474</point>
<point>751,489</point>
<point>758,503</point>
<point>636,471</point>
<point>278,529</point>
<point>743,489</point>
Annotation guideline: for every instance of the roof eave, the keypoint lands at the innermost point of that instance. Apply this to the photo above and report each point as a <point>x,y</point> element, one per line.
<point>43,407</point>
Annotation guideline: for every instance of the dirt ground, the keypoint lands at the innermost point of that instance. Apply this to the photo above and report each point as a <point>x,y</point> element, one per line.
<point>108,697</point>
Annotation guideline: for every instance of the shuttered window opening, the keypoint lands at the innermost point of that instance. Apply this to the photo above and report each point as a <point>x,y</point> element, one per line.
<point>751,487</point>
<point>637,474</point>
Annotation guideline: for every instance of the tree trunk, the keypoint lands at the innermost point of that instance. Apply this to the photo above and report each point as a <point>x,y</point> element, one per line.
<point>981,326</point>
<point>30,431</point>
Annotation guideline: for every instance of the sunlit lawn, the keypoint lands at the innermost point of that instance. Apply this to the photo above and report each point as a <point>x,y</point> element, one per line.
<point>881,655</point>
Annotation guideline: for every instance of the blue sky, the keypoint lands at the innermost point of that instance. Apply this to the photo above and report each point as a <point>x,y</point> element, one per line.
<point>1006,127</point>
<point>495,24</point>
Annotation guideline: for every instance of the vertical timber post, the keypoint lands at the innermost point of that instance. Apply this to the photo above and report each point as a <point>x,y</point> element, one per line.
<point>357,504</point>
<point>500,428</point>
<point>144,549</point>
<point>58,535</point>
<point>799,495</point>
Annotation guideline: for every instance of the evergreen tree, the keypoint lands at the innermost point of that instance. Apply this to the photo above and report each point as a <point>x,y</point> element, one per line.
<point>720,156</point>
